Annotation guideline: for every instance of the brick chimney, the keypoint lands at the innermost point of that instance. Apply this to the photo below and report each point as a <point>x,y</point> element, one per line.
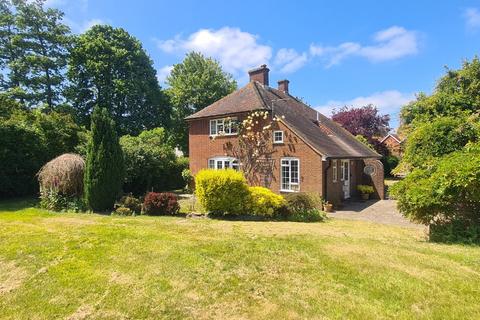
<point>283,85</point>
<point>259,74</point>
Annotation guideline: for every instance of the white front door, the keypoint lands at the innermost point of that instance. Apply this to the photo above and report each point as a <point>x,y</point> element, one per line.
<point>345,178</point>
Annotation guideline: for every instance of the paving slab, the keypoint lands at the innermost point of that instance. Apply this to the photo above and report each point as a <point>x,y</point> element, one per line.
<point>379,211</point>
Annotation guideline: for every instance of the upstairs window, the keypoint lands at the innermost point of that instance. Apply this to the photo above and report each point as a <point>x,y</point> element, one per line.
<point>277,136</point>
<point>224,126</point>
<point>223,163</point>
<point>289,175</point>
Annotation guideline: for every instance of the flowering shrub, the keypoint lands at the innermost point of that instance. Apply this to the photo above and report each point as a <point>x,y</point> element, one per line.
<point>164,203</point>
<point>264,202</point>
<point>365,189</point>
<point>222,192</point>
<point>255,148</point>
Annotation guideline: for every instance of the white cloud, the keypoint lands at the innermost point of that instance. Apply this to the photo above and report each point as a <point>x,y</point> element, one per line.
<point>90,23</point>
<point>387,102</point>
<point>389,44</point>
<point>290,60</point>
<point>472,18</point>
<point>163,73</point>
<point>85,25</point>
<point>236,50</point>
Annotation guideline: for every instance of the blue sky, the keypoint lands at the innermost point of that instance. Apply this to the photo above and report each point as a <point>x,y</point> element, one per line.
<point>333,52</point>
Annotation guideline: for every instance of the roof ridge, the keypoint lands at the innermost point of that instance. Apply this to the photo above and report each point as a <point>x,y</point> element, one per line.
<point>257,92</point>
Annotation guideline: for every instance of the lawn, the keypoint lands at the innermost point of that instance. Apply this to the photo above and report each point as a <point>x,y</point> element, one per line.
<point>87,266</point>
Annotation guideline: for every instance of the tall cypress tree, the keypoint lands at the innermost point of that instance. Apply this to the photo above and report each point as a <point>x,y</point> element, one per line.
<point>104,170</point>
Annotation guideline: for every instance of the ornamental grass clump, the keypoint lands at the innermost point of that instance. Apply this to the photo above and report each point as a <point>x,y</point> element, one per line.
<point>61,183</point>
<point>63,174</point>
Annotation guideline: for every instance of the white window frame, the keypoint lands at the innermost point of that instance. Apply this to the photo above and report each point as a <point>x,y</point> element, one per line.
<point>274,136</point>
<point>223,127</point>
<point>335,170</point>
<point>292,186</point>
<point>218,163</point>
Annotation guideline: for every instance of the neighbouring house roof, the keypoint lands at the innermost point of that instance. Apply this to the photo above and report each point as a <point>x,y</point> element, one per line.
<point>394,136</point>
<point>325,136</point>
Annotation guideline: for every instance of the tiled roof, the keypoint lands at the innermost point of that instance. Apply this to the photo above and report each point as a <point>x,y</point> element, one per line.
<point>394,136</point>
<point>324,135</point>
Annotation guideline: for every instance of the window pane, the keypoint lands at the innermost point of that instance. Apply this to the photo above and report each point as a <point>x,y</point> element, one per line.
<point>219,164</point>
<point>213,127</point>
<point>211,164</point>
<point>234,126</point>
<point>294,171</point>
<point>278,136</point>
<point>226,164</point>
<point>285,177</point>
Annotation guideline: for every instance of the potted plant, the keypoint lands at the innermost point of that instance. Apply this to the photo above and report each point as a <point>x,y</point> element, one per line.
<point>327,206</point>
<point>365,191</point>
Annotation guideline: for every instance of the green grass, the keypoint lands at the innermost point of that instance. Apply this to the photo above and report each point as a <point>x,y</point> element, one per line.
<point>86,266</point>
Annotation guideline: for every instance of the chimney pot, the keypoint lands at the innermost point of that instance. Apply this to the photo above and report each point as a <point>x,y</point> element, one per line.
<point>259,74</point>
<point>283,85</point>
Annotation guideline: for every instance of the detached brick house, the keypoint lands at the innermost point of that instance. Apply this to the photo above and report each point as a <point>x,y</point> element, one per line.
<point>394,144</point>
<point>311,152</point>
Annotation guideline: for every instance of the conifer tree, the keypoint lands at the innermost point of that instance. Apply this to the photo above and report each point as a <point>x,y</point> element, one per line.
<point>104,170</point>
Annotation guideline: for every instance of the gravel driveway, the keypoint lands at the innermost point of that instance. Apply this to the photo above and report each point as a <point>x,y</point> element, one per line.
<point>379,211</point>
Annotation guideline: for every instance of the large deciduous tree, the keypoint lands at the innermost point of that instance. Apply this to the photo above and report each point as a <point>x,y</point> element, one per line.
<point>109,67</point>
<point>457,94</point>
<point>104,170</point>
<point>194,84</point>
<point>365,121</point>
<point>33,51</point>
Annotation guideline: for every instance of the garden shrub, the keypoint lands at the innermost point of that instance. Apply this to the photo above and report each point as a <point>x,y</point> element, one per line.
<point>447,194</point>
<point>389,162</point>
<point>188,180</point>
<point>362,188</point>
<point>306,207</point>
<point>150,163</point>
<point>61,183</point>
<point>164,203</point>
<point>51,199</point>
<point>434,139</point>
<point>130,202</point>
<point>310,215</point>
<point>263,202</point>
<point>301,201</point>
<point>28,139</point>
<point>455,231</point>
<point>123,211</point>
<point>222,192</point>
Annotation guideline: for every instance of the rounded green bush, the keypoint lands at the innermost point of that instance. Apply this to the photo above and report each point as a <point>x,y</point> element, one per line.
<point>263,202</point>
<point>222,192</point>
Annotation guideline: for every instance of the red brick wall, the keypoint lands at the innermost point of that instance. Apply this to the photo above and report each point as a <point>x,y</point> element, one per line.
<point>393,146</point>
<point>202,147</point>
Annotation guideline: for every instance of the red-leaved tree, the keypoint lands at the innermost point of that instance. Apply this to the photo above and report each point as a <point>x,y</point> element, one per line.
<point>365,121</point>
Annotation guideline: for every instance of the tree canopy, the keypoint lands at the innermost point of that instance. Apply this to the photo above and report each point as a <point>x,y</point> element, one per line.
<point>194,84</point>
<point>457,94</point>
<point>34,45</point>
<point>109,67</point>
<point>364,121</point>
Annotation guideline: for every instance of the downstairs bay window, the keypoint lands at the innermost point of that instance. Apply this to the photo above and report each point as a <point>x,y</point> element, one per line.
<point>290,174</point>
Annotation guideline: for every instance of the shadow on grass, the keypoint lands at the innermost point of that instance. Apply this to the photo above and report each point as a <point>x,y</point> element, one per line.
<point>260,219</point>
<point>17,204</point>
